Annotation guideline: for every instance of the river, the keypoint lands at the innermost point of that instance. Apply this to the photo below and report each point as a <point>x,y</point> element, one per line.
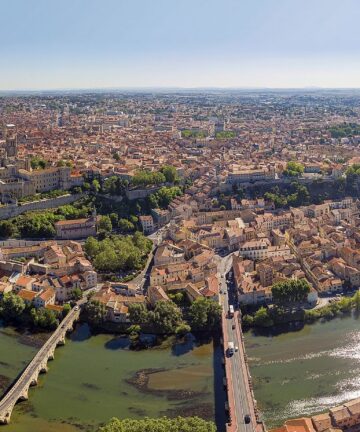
<point>96,377</point>
<point>307,371</point>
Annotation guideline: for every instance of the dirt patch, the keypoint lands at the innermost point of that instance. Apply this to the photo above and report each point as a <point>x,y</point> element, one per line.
<point>35,340</point>
<point>140,380</point>
<point>4,383</point>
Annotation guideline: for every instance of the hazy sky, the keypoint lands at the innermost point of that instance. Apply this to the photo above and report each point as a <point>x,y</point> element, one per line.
<point>187,43</point>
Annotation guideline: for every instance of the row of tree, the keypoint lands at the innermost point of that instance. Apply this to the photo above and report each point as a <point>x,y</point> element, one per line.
<point>203,315</point>
<point>167,173</point>
<point>161,424</point>
<point>166,317</point>
<point>118,253</point>
<point>267,317</point>
<point>298,195</point>
<point>14,310</point>
<point>42,224</point>
<point>290,291</point>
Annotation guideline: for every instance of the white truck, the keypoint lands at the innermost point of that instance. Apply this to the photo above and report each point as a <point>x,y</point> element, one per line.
<point>231,348</point>
<point>231,311</point>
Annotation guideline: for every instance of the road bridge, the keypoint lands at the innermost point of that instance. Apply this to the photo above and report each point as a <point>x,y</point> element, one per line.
<point>29,377</point>
<point>241,401</point>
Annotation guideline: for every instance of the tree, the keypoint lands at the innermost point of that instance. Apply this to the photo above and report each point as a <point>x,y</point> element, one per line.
<point>37,225</point>
<point>66,309</point>
<point>178,298</point>
<point>114,219</point>
<point>11,306</point>
<point>356,301</point>
<point>205,314</point>
<point>147,178</point>
<point>262,318</point>
<point>290,291</point>
<point>125,225</point>
<point>95,186</point>
<point>164,196</point>
<point>86,186</point>
<point>91,247</point>
<point>95,312</point>
<point>138,314</point>
<point>134,335</point>
<point>116,156</point>
<point>6,229</point>
<point>44,318</point>
<point>105,224</point>
<point>119,253</point>
<point>114,185</point>
<point>293,169</point>
<point>76,294</point>
<point>37,163</point>
<point>161,424</point>
<point>247,320</point>
<point>170,173</point>
<point>182,330</point>
<point>166,316</point>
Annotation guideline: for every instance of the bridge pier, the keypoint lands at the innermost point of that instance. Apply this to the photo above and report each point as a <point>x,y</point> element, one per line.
<point>24,397</point>
<point>61,342</point>
<point>43,369</point>
<point>5,419</point>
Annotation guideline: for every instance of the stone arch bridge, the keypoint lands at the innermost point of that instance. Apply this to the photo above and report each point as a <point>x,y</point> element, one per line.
<point>29,377</point>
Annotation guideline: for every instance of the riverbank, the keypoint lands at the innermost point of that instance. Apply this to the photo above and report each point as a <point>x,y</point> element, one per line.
<point>278,315</point>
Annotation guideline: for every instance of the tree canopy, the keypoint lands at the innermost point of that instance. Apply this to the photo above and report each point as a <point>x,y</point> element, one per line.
<point>118,253</point>
<point>95,312</point>
<point>292,290</point>
<point>170,173</point>
<point>205,314</point>
<point>164,196</point>
<point>167,173</point>
<point>166,317</point>
<point>162,424</point>
<point>37,163</point>
<point>293,169</point>
<point>147,178</point>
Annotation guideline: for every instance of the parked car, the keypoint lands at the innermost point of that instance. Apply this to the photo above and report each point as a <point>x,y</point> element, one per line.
<point>247,419</point>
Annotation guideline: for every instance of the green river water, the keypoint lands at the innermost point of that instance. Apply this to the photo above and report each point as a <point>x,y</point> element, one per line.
<point>88,382</point>
<point>306,371</point>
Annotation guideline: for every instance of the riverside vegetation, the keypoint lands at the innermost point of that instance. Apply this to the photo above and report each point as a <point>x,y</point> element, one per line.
<point>166,317</point>
<point>278,314</point>
<point>162,424</point>
<point>14,310</point>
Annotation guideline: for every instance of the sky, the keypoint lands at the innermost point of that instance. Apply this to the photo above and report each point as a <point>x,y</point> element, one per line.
<point>47,44</point>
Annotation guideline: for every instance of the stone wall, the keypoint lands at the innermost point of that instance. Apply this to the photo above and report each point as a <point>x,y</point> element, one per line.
<point>13,210</point>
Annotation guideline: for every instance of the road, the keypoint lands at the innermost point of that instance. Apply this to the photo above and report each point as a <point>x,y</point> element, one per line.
<point>238,368</point>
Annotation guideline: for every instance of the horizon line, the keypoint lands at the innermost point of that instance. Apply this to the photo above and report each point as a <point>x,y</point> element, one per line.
<point>163,88</point>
